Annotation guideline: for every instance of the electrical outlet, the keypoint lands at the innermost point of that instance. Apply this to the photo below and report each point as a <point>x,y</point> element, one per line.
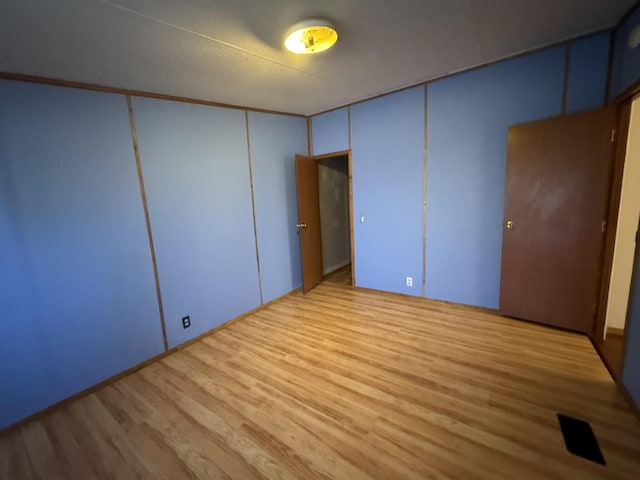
<point>409,281</point>
<point>186,322</point>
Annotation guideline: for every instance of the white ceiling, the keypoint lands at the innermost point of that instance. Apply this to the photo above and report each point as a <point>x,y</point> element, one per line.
<point>230,51</point>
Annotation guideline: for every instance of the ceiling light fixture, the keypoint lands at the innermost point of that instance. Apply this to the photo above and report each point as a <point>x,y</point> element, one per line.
<point>634,37</point>
<point>311,36</point>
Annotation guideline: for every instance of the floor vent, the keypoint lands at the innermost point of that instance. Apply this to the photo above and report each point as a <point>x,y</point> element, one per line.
<point>579,439</point>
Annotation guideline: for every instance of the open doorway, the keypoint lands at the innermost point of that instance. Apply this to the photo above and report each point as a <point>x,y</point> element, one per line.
<point>611,332</point>
<point>325,218</point>
<point>335,221</point>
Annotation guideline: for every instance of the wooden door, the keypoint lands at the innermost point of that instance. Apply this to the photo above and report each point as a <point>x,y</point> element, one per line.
<point>557,189</point>
<point>309,221</point>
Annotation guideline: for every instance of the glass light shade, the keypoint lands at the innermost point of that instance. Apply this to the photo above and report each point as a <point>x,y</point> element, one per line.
<point>311,36</point>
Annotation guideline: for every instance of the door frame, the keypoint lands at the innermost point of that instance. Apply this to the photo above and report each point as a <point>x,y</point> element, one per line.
<point>622,129</point>
<point>634,278</point>
<point>342,153</point>
<point>623,107</point>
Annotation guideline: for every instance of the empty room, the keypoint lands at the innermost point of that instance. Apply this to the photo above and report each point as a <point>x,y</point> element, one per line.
<point>319,240</point>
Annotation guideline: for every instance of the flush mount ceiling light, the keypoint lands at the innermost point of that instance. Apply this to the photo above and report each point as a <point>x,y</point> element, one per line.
<point>311,36</point>
<point>634,37</point>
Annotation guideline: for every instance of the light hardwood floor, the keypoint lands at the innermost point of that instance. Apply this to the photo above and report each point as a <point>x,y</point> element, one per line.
<point>611,349</point>
<point>341,276</point>
<point>347,384</point>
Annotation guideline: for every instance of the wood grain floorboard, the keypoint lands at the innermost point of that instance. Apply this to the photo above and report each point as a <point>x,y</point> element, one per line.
<point>612,348</point>
<point>341,276</point>
<point>343,383</point>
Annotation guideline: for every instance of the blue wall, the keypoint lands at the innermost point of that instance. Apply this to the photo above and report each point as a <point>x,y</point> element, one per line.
<point>275,139</point>
<point>196,172</point>
<point>77,288</point>
<point>631,373</point>
<point>330,132</point>
<point>467,120</point>
<point>626,62</point>
<point>77,284</point>
<point>587,83</point>
<point>387,136</point>
<point>468,116</point>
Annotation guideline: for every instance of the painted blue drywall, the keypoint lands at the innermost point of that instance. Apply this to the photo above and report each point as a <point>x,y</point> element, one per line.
<point>587,83</point>
<point>275,139</point>
<point>330,132</point>
<point>626,62</point>
<point>196,172</point>
<point>631,373</point>
<point>467,120</point>
<point>387,136</point>
<point>77,289</point>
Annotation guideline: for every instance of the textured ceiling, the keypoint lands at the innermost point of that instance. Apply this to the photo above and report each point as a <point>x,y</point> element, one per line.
<point>230,51</point>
